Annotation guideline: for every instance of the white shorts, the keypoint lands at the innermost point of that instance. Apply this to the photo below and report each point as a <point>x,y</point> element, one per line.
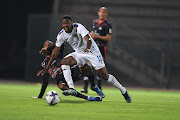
<point>95,60</point>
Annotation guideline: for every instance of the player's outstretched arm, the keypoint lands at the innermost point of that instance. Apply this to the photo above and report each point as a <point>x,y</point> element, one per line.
<point>54,55</point>
<point>89,42</point>
<point>105,38</point>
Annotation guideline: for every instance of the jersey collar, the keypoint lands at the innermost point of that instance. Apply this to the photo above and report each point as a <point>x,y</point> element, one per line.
<point>101,22</point>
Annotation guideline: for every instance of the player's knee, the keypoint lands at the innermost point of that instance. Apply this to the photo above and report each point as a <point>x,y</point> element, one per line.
<point>87,70</point>
<point>104,76</point>
<point>65,67</point>
<point>64,62</point>
<point>69,61</point>
<point>62,86</point>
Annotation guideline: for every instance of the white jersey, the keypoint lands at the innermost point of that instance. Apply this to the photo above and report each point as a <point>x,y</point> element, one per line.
<point>76,39</point>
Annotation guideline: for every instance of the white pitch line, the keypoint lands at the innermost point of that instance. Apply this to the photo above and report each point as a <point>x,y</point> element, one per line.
<point>113,100</point>
<point>135,100</point>
<point>163,101</point>
<point>118,109</point>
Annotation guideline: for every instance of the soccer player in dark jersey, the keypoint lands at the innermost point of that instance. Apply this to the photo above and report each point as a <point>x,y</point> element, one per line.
<point>55,72</point>
<point>101,34</point>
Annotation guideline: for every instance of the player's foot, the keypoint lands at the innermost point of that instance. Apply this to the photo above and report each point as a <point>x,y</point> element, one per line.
<point>127,97</point>
<point>94,98</point>
<point>84,91</point>
<point>98,91</point>
<point>70,91</point>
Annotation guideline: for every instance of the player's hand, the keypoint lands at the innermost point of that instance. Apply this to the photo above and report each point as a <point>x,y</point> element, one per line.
<point>87,50</point>
<point>43,51</point>
<point>42,72</point>
<point>93,35</point>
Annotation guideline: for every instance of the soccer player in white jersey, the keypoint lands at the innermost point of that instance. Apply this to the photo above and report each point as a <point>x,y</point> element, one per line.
<point>86,50</point>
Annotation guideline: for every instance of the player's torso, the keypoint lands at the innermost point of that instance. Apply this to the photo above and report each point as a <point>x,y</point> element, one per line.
<point>75,40</point>
<point>100,29</point>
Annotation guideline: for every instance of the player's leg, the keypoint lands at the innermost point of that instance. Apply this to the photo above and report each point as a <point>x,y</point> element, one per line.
<point>88,72</point>
<point>79,95</point>
<point>86,69</point>
<point>103,53</point>
<point>44,85</point>
<point>71,60</point>
<point>99,80</point>
<point>85,88</point>
<point>98,63</point>
<point>112,80</point>
<point>66,63</point>
<point>64,87</point>
<point>86,81</point>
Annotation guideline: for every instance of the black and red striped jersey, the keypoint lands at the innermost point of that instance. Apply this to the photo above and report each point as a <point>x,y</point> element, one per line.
<point>102,29</point>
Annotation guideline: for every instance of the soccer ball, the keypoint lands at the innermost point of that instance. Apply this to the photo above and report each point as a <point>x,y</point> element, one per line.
<point>52,97</point>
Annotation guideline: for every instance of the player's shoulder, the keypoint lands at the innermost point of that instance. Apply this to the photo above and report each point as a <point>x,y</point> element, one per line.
<point>95,21</point>
<point>79,26</point>
<point>61,32</point>
<point>107,22</point>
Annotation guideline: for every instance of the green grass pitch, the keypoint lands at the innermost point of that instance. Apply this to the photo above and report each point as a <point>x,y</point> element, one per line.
<point>16,104</point>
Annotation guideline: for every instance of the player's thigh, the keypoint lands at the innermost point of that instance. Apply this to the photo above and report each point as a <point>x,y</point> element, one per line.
<point>78,59</point>
<point>68,61</point>
<point>96,60</point>
<point>86,69</point>
<point>76,74</point>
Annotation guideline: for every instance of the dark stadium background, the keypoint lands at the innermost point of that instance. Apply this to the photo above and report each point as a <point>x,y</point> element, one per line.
<point>15,26</point>
<point>144,51</point>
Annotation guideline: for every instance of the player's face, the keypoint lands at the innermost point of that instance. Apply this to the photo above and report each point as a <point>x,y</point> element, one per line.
<point>47,44</point>
<point>102,14</point>
<point>67,25</point>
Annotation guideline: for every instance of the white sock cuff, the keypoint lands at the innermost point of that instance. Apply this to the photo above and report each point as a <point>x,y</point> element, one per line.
<point>85,78</point>
<point>116,83</point>
<point>64,67</point>
<point>110,79</point>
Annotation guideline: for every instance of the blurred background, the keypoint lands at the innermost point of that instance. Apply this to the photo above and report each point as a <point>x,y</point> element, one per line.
<point>145,46</point>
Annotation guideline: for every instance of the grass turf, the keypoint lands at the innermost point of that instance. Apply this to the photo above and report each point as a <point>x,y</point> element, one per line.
<point>16,104</point>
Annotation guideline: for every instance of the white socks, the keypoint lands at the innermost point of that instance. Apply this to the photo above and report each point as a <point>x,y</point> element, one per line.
<point>85,78</point>
<point>67,75</point>
<point>115,83</point>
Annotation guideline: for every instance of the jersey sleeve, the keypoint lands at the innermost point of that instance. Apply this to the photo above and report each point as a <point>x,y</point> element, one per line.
<point>108,29</point>
<point>60,38</point>
<point>82,30</point>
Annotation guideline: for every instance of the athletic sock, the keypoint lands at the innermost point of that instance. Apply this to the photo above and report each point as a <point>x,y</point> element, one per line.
<point>91,79</point>
<point>86,81</point>
<point>67,75</point>
<point>115,83</point>
<point>79,95</point>
<point>44,85</point>
<point>99,84</point>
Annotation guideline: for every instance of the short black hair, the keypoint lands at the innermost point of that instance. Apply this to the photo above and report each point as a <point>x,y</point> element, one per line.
<point>104,8</point>
<point>67,17</point>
